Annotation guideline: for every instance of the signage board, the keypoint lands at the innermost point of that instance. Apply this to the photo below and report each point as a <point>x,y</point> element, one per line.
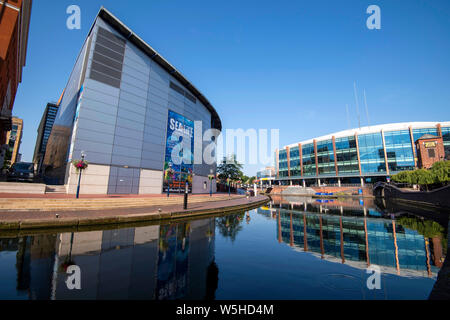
<point>179,158</point>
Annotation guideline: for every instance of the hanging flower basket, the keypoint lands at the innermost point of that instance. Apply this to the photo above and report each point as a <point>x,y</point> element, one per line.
<point>169,174</point>
<point>80,164</point>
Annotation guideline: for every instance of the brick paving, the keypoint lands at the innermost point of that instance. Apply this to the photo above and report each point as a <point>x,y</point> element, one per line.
<point>33,219</point>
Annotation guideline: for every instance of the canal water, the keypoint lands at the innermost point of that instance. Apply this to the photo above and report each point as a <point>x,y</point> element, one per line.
<point>296,248</point>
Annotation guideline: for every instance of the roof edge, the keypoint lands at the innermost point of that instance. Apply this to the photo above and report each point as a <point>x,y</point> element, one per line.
<point>120,27</point>
<point>372,129</point>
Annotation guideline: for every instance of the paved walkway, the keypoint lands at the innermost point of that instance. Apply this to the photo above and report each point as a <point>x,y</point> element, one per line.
<point>54,203</point>
<point>28,219</point>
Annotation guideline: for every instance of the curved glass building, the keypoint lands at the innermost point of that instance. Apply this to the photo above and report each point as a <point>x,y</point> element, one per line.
<point>125,108</point>
<point>364,155</point>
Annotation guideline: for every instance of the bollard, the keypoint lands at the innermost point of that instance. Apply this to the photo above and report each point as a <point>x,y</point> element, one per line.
<point>186,191</point>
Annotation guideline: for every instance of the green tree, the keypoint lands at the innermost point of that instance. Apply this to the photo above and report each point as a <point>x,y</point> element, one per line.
<point>441,172</point>
<point>438,174</point>
<point>422,177</point>
<point>401,177</point>
<point>230,168</point>
<point>247,180</point>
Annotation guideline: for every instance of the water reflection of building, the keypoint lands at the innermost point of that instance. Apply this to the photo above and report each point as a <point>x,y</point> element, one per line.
<point>358,239</point>
<point>153,262</point>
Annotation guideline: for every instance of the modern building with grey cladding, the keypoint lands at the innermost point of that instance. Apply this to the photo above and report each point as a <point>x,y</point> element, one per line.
<point>115,108</point>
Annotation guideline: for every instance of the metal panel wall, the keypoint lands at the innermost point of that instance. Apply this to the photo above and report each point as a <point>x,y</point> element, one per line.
<point>125,127</point>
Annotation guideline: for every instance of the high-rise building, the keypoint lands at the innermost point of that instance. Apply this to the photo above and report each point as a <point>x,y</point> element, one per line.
<point>127,109</point>
<point>14,139</point>
<point>43,133</point>
<point>14,25</point>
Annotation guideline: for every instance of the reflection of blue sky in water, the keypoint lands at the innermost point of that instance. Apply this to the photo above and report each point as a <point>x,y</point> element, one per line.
<point>8,279</point>
<point>174,260</point>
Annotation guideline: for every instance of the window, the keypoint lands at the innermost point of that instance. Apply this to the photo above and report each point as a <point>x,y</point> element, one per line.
<point>325,157</point>
<point>347,157</point>
<point>283,165</point>
<point>309,160</point>
<point>418,133</point>
<point>446,138</point>
<point>295,162</point>
<point>371,153</point>
<point>399,150</point>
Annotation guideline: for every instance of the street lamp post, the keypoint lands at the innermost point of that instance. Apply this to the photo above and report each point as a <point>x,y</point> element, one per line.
<point>211,177</point>
<point>79,176</point>
<point>186,192</point>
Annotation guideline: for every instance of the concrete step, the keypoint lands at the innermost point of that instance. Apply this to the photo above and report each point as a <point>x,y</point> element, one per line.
<point>22,187</point>
<point>55,189</point>
<point>10,202</point>
<point>91,204</point>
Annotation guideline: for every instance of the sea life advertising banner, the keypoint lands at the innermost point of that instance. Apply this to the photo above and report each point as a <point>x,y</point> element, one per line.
<point>179,158</point>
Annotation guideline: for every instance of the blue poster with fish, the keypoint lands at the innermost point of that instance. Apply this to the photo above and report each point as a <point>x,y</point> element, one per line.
<point>179,158</point>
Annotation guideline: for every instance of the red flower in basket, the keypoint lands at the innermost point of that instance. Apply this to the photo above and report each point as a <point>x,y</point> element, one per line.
<point>80,164</point>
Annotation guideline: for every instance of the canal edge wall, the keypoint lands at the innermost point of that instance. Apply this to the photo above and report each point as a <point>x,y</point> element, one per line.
<point>325,191</point>
<point>79,223</point>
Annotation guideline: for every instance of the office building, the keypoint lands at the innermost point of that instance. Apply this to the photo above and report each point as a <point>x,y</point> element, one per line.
<point>364,155</point>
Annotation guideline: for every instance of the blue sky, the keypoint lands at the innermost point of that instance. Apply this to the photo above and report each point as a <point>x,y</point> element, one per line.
<point>287,65</point>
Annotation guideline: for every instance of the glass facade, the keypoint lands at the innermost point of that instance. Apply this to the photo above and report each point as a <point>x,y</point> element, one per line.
<point>446,138</point>
<point>283,165</point>
<point>347,156</point>
<point>295,162</point>
<point>325,158</point>
<point>371,153</point>
<point>51,116</point>
<point>399,150</point>
<point>309,160</point>
<point>418,133</point>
